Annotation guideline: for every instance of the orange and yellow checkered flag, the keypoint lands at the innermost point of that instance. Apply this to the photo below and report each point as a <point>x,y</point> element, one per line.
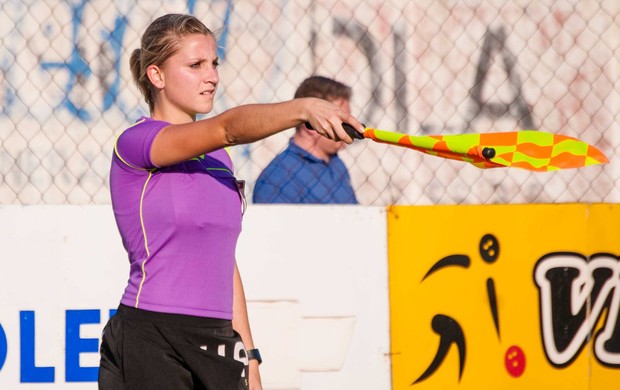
<point>527,149</point>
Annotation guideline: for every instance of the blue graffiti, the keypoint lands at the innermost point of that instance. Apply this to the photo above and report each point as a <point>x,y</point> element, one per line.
<point>77,67</point>
<point>10,49</point>
<point>223,36</point>
<point>191,6</point>
<point>223,39</point>
<point>79,71</point>
<point>115,39</point>
<point>9,93</point>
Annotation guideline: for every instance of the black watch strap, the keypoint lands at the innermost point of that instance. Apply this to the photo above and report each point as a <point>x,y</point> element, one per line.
<point>254,354</point>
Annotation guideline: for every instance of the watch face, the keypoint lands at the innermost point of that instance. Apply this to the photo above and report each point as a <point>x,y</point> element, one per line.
<point>254,354</point>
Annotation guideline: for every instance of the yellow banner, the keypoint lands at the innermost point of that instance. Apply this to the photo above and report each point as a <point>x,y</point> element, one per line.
<point>505,296</point>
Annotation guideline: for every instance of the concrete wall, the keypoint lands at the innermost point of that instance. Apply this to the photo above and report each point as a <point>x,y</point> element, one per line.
<point>315,279</point>
<point>347,297</point>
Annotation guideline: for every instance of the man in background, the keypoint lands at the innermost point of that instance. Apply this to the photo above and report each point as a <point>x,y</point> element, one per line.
<point>309,170</point>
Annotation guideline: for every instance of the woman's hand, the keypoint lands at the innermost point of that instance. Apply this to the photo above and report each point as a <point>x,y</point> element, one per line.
<point>326,119</point>
<point>254,376</point>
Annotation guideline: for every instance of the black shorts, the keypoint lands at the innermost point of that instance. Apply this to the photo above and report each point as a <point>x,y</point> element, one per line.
<point>148,350</point>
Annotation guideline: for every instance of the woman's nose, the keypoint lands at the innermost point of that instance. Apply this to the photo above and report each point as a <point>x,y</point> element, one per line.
<point>212,76</point>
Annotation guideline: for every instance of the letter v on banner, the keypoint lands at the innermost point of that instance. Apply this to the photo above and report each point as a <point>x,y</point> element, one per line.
<point>574,291</point>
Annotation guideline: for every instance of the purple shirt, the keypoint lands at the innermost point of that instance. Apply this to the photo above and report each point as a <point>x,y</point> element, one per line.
<point>179,225</point>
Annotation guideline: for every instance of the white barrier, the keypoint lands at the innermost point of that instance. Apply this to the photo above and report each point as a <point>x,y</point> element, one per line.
<point>315,279</point>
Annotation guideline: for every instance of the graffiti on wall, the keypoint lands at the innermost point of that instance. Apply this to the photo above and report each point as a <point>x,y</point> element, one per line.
<point>77,70</point>
<point>494,44</point>
<point>404,75</point>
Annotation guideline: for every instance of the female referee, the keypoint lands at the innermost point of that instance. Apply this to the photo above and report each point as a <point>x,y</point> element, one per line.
<point>182,321</point>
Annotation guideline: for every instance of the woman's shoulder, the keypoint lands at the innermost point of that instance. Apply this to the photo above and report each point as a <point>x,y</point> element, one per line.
<point>145,123</point>
<point>143,129</point>
<point>134,144</point>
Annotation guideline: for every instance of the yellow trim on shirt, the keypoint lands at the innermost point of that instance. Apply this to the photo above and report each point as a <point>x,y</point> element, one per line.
<point>146,242</point>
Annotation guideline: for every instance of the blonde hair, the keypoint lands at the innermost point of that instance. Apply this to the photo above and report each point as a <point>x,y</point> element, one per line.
<point>158,43</point>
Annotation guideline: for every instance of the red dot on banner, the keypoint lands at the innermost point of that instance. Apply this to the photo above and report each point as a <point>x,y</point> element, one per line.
<point>515,361</point>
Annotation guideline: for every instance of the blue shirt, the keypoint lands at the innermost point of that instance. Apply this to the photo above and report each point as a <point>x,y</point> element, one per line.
<point>296,176</point>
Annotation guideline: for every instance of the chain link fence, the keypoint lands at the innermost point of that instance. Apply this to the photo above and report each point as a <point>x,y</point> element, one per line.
<point>420,67</point>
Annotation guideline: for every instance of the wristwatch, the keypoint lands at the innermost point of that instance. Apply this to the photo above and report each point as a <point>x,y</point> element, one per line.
<point>254,354</point>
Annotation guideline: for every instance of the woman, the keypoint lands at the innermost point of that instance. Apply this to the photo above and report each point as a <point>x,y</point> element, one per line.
<point>182,322</point>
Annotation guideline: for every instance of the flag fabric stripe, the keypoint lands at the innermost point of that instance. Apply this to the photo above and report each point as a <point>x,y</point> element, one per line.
<point>527,149</point>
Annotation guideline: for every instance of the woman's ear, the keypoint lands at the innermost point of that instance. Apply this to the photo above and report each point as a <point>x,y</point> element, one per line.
<point>155,76</point>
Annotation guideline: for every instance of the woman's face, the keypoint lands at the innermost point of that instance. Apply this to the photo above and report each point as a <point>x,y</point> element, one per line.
<point>190,79</point>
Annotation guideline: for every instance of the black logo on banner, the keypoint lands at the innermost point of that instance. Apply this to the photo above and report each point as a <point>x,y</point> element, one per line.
<point>574,293</point>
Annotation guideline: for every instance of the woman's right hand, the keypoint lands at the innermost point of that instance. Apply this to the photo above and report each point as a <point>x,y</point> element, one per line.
<point>326,118</point>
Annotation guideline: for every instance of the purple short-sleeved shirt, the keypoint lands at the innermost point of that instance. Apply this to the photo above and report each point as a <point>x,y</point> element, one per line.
<point>179,225</point>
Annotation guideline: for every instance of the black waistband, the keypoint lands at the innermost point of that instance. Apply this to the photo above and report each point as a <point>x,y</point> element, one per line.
<point>168,318</point>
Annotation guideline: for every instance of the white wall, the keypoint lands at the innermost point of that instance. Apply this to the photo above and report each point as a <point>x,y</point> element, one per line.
<point>315,278</point>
